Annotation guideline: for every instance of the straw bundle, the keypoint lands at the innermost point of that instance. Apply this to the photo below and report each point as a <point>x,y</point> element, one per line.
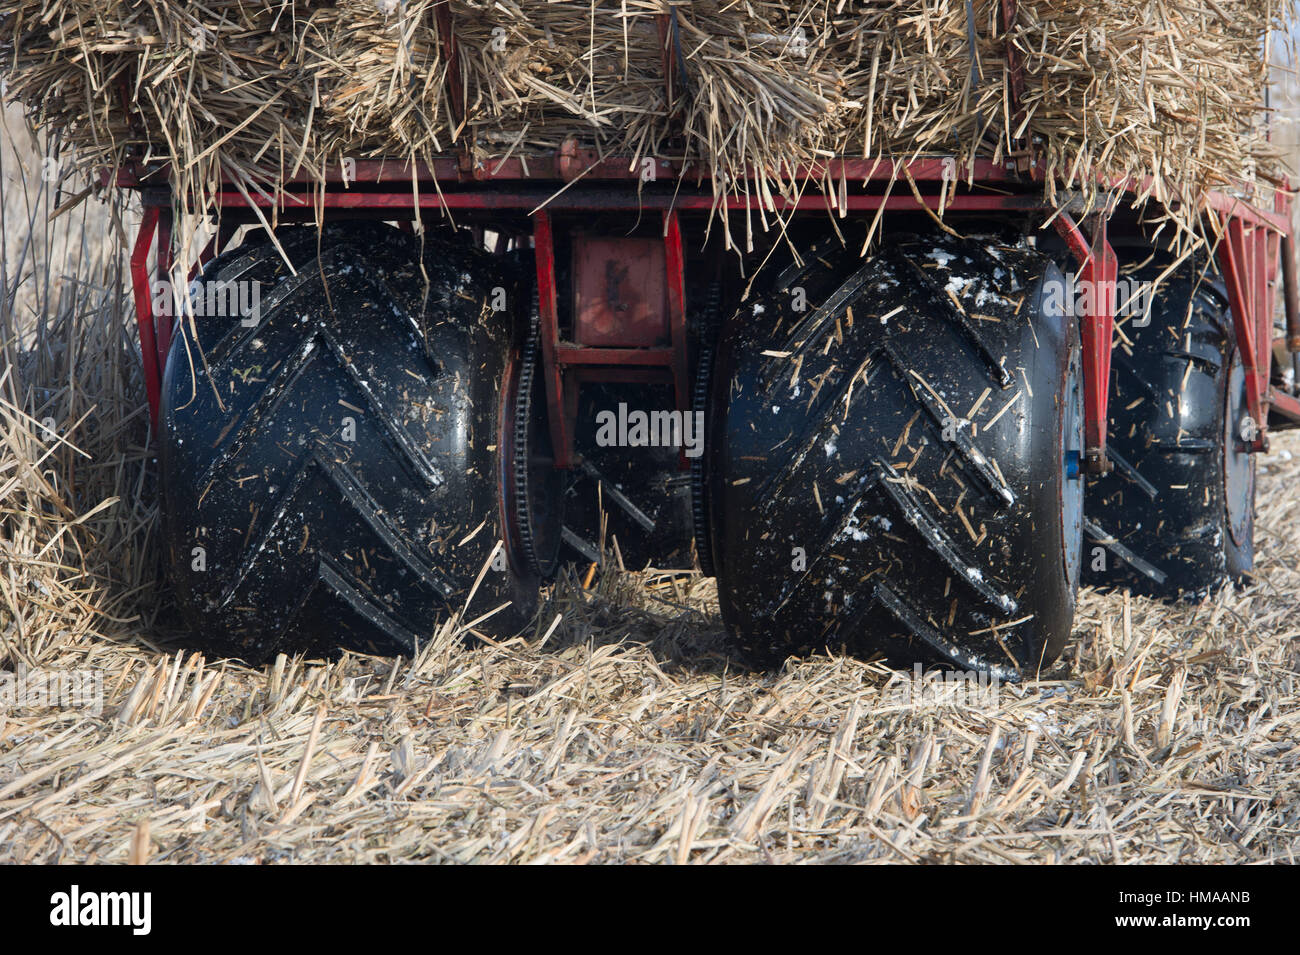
<point>536,73</point>
<point>1166,89</point>
<point>392,79</point>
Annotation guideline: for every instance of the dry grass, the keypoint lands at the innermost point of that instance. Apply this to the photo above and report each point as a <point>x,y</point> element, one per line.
<point>622,733</point>
<point>1170,737</point>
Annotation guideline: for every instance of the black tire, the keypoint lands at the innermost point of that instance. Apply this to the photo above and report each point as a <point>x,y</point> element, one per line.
<point>1176,516</point>
<point>330,475</point>
<point>861,457</point>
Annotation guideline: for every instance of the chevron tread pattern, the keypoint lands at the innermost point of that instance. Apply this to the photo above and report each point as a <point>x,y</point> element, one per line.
<point>334,462</point>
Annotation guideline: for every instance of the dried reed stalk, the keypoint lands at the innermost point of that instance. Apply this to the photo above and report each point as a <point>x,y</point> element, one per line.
<point>1167,91</point>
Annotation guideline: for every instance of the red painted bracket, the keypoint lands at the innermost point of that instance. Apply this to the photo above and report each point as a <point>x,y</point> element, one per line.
<point>1018,150</point>
<point>1248,261</point>
<point>151,351</point>
<point>676,264</point>
<point>567,365</point>
<point>1290,294</point>
<point>164,325</point>
<point>455,85</point>
<point>451,53</point>
<point>1288,406</point>
<point>157,331</point>
<point>553,376</point>
<point>1100,269</point>
<point>670,65</point>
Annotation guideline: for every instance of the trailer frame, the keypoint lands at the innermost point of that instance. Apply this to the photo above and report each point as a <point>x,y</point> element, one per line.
<point>1255,251</point>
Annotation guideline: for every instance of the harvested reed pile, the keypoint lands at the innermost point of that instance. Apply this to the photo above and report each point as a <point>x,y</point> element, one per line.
<point>1170,89</point>
<point>1173,92</point>
<point>392,79</point>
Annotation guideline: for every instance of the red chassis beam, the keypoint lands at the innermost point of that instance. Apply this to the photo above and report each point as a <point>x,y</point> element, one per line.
<point>622,200</point>
<point>347,182</point>
<point>571,162</point>
<point>1248,260</point>
<point>1099,269</point>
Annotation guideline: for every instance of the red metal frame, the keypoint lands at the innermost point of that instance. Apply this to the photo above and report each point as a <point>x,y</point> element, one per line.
<point>677,309</point>
<point>1248,260</point>
<point>567,365</point>
<point>1015,91</point>
<point>1248,254</point>
<point>1099,268</point>
<point>451,53</point>
<point>144,317</point>
<point>666,24</point>
<point>156,331</point>
<point>605,201</point>
<point>596,167</point>
<point>553,374</point>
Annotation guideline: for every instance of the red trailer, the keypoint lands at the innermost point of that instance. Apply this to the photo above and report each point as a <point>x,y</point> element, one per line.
<point>895,439</point>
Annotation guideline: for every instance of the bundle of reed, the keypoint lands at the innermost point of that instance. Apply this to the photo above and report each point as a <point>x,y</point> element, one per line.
<point>929,75</point>
<point>764,91</point>
<point>1165,91</point>
<point>536,73</point>
<point>210,89</point>
<point>379,78</point>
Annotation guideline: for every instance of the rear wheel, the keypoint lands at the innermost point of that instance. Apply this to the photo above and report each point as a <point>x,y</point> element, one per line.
<point>1176,516</point>
<point>895,467</point>
<point>330,465</point>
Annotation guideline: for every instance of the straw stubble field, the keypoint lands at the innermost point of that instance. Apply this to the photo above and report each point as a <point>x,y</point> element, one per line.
<point>622,732</point>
